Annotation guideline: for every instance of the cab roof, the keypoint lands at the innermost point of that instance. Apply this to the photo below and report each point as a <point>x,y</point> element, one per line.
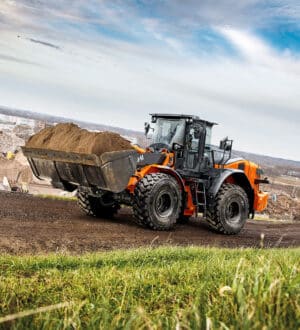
<point>181,116</point>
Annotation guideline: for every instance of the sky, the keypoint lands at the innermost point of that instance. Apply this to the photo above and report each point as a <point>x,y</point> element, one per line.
<point>113,62</point>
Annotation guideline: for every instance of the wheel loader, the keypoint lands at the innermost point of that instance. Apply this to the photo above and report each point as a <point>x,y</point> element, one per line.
<point>179,175</point>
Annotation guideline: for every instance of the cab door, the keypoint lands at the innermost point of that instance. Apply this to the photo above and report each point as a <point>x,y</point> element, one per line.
<point>194,147</point>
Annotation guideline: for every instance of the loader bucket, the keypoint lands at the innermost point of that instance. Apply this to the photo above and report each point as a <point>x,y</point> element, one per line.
<point>111,171</point>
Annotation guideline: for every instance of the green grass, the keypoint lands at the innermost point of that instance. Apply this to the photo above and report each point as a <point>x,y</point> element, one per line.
<point>57,197</point>
<point>164,288</point>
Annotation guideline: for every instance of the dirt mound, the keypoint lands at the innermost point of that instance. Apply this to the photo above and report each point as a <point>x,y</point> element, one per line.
<point>71,138</point>
<point>16,170</point>
<point>21,159</point>
<point>10,142</point>
<point>284,208</point>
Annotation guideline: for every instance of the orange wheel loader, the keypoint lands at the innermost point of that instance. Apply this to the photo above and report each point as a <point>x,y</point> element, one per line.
<point>179,175</point>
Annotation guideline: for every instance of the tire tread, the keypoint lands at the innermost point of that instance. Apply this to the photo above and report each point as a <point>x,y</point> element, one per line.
<point>141,196</point>
<point>92,206</point>
<point>213,216</point>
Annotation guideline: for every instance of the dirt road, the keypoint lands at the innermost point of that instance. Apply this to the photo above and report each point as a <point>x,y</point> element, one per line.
<point>34,225</point>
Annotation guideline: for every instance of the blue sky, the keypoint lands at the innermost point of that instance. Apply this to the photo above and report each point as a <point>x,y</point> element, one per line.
<point>114,62</point>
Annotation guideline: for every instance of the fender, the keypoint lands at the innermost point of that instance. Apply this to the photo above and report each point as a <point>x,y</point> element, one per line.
<point>239,177</point>
<point>153,169</point>
<point>169,170</point>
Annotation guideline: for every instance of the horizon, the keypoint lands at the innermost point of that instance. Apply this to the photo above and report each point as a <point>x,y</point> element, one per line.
<point>124,128</point>
<point>114,62</point>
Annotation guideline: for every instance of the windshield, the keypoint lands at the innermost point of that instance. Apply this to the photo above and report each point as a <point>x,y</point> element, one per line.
<point>169,131</point>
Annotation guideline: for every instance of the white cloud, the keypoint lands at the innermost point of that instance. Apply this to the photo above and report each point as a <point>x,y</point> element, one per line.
<point>255,98</point>
<point>255,51</point>
<point>253,103</point>
<point>243,14</point>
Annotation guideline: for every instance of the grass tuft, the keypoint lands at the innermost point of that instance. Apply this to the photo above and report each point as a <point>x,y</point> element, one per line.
<point>164,288</point>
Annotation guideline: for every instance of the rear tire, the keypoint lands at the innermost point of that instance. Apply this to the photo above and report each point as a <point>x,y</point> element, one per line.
<point>157,201</point>
<point>230,210</point>
<point>96,206</point>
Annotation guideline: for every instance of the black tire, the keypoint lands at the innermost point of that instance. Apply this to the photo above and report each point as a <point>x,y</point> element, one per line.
<point>230,211</point>
<point>96,206</point>
<point>157,201</point>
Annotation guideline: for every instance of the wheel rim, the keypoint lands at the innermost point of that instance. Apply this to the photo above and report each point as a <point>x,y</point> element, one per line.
<point>164,204</point>
<point>233,212</point>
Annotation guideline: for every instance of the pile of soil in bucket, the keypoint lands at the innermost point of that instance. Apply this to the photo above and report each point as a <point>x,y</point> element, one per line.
<point>69,137</point>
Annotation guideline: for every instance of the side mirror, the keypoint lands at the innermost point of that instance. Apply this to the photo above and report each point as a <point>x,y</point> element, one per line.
<point>177,146</point>
<point>226,144</point>
<point>153,119</point>
<point>147,128</point>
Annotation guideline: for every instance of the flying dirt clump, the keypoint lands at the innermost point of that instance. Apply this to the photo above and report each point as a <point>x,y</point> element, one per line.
<point>69,137</point>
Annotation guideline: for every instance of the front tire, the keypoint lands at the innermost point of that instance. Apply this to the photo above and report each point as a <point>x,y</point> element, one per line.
<point>96,206</point>
<point>157,201</point>
<point>230,210</point>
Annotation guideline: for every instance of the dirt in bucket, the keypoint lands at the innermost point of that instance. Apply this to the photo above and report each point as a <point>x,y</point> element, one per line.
<point>71,138</point>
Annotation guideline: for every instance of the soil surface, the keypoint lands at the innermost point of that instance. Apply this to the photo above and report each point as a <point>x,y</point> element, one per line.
<point>71,138</point>
<point>35,225</point>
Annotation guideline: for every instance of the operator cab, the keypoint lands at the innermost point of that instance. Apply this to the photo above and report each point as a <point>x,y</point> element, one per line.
<point>189,137</point>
